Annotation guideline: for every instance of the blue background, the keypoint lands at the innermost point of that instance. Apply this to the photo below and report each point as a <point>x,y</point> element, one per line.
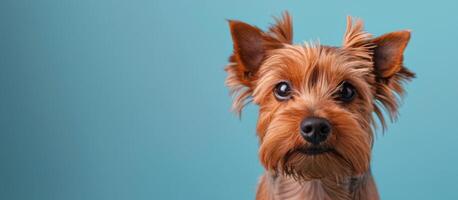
<point>106,100</point>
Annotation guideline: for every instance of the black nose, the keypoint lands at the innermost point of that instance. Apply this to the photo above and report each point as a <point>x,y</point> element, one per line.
<point>315,129</point>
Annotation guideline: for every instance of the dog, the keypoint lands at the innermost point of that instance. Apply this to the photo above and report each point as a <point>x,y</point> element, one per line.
<point>318,106</point>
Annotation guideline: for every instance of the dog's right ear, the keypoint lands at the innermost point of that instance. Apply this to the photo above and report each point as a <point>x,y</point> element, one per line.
<point>249,50</point>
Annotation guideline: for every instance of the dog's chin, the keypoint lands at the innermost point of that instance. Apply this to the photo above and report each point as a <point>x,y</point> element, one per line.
<point>314,150</point>
<point>315,163</point>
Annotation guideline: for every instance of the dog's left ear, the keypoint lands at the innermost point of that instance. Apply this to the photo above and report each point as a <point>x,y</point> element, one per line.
<point>388,53</point>
<point>390,72</point>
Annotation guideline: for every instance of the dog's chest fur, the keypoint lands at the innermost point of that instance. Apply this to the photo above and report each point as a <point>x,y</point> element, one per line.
<point>287,188</point>
<point>280,187</point>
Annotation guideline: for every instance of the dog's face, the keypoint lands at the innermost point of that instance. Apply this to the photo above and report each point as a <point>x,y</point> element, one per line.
<point>316,102</point>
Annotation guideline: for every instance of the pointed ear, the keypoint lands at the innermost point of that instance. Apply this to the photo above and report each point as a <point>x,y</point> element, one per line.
<point>390,72</point>
<point>249,47</point>
<point>385,53</point>
<point>251,44</point>
<point>249,52</point>
<point>388,53</point>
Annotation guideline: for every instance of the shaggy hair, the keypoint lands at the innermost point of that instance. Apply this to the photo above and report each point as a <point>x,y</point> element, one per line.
<point>315,72</point>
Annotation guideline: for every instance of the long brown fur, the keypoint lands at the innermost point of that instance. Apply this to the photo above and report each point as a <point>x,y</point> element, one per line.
<point>374,66</point>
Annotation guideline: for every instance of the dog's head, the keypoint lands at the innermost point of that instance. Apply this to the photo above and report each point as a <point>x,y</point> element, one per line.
<point>316,102</point>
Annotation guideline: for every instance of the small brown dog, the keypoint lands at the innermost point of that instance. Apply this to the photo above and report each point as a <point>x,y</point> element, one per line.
<point>316,102</point>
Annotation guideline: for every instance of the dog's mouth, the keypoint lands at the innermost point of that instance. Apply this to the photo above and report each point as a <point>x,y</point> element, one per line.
<point>315,150</point>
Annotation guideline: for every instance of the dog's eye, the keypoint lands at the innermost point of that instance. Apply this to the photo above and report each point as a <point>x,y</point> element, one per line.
<point>346,92</point>
<point>282,91</point>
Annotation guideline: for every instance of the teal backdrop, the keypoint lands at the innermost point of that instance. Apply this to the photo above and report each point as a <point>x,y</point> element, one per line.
<point>110,99</point>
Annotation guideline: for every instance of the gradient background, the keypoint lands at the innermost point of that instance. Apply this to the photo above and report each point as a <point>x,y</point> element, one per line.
<point>107,100</point>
